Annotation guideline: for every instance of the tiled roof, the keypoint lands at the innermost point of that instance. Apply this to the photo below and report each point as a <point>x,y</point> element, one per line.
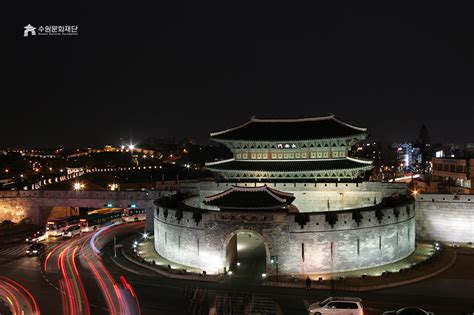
<point>288,165</point>
<point>250,198</point>
<point>290,129</point>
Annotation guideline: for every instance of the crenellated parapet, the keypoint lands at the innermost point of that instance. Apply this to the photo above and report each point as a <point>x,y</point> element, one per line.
<point>318,242</point>
<point>369,217</point>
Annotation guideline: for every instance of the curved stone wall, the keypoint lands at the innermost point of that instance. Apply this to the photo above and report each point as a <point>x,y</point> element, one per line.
<point>310,197</point>
<point>321,242</point>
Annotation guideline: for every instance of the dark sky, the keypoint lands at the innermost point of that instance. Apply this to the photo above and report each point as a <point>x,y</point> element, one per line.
<point>186,70</point>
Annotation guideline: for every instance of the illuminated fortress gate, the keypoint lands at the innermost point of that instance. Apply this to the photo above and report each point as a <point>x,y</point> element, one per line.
<point>308,148</point>
<point>292,191</point>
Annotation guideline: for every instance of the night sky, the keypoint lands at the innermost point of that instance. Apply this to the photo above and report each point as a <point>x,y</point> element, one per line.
<point>186,70</point>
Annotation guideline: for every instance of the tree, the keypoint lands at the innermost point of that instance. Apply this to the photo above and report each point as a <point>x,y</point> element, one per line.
<point>424,143</point>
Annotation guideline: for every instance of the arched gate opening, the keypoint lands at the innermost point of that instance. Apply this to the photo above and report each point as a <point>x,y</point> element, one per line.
<point>246,254</point>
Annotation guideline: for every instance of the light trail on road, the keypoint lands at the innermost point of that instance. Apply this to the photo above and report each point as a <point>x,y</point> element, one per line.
<point>73,287</point>
<point>119,297</point>
<point>20,300</point>
<point>120,300</point>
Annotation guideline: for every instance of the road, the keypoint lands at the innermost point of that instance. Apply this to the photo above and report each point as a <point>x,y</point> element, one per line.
<point>79,276</point>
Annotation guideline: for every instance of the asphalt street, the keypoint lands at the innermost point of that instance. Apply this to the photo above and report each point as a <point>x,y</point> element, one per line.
<point>450,292</point>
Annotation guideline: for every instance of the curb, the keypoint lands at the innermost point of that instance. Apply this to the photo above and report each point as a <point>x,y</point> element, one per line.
<point>167,274</point>
<point>367,288</point>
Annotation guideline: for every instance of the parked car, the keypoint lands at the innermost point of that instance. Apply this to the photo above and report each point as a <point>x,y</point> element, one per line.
<point>36,249</point>
<point>72,230</point>
<point>37,237</point>
<point>337,306</point>
<point>409,311</point>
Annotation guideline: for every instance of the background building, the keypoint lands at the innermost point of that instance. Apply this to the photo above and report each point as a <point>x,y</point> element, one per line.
<point>451,175</point>
<point>408,157</point>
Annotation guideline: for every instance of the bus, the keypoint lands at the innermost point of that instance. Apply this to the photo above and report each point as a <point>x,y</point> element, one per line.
<point>94,221</point>
<point>103,210</point>
<point>134,214</point>
<point>56,227</point>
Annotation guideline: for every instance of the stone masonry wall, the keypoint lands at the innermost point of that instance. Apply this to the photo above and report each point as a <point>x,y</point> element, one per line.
<point>37,204</point>
<point>445,218</point>
<point>381,237</point>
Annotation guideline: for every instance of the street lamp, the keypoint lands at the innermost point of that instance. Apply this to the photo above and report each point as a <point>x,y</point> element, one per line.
<point>145,235</point>
<point>78,186</point>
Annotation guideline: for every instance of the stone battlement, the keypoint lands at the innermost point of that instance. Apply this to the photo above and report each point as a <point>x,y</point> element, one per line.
<point>318,242</point>
<point>36,205</point>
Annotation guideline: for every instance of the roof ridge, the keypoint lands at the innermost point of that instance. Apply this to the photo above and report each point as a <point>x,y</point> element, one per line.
<point>316,118</point>
<point>271,193</point>
<point>219,162</point>
<point>212,134</point>
<point>244,189</point>
<point>218,195</point>
<point>359,160</point>
<point>348,125</point>
<point>253,119</point>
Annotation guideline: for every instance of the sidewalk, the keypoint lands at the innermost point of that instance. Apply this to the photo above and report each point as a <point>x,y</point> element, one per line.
<point>425,262</point>
<point>146,257</point>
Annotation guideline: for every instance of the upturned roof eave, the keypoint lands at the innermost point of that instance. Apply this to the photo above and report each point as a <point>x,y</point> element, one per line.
<point>218,134</point>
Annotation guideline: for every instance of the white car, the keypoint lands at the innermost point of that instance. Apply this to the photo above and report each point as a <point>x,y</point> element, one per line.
<point>37,237</point>
<point>337,306</point>
<point>72,230</point>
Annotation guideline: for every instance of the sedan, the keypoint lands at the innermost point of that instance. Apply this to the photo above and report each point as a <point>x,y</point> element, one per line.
<point>37,237</point>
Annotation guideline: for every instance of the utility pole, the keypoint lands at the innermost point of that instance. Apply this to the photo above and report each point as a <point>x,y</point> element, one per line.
<point>115,246</point>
